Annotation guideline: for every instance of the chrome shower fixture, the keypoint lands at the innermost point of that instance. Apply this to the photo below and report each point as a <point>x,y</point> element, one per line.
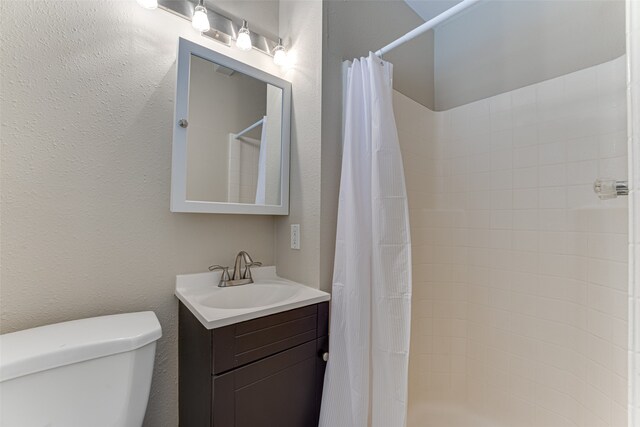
<point>607,188</point>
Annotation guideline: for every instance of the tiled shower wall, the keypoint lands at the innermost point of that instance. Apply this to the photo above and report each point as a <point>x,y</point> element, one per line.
<point>520,271</point>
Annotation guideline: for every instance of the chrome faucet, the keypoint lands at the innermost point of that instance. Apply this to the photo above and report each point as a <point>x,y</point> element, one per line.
<point>240,276</point>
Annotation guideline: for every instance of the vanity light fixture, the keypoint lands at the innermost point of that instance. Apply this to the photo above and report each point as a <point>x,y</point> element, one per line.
<point>148,4</point>
<point>279,54</point>
<point>244,37</point>
<point>220,28</point>
<point>200,20</point>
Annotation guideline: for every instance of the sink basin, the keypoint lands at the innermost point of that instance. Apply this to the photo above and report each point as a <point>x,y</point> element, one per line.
<point>249,296</point>
<point>215,307</point>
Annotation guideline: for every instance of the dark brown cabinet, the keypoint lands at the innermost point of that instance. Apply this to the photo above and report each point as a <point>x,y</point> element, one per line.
<point>263,372</point>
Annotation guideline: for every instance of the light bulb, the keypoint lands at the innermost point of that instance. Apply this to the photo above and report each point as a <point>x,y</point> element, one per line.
<point>200,20</point>
<point>279,54</point>
<point>148,4</point>
<point>244,37</point>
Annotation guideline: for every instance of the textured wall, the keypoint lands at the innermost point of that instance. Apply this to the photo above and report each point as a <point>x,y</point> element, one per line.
<point>331,152</point>
<point>87,107</point>
<point>301,29</point>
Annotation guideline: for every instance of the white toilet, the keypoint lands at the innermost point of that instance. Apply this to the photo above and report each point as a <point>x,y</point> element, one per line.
<point>86,373</point>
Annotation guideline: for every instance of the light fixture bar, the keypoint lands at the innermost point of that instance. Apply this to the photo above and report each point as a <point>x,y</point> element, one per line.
<point>223,29</point>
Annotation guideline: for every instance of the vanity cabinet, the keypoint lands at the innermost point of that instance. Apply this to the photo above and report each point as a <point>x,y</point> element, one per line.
<point>263,372</point>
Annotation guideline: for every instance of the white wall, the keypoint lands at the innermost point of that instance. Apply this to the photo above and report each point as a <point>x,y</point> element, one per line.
<point>87,112</point>
<point>501,45</point>
<point>301,29</point>
<point>520,272</point>
<point>496,46</point>
<point>353,28</point>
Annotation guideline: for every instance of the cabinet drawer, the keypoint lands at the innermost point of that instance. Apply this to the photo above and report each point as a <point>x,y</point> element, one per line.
<point>280,388</point>
<point>243,343</point>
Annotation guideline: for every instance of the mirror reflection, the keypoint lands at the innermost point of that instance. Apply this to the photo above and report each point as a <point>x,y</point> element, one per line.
<point>234,136</point>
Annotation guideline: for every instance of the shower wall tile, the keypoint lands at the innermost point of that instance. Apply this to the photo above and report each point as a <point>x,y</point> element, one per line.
<point>520,271</point>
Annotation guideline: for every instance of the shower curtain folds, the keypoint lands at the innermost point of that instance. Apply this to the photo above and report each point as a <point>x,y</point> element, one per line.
<point>366,378</point>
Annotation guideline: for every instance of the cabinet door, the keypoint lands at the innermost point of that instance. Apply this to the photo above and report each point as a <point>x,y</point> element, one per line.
<point>280,390</point>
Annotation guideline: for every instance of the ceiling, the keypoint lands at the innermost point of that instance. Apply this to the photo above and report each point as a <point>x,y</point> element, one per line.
<point>355,27</point>
<point>427,9</point>
<point>494,48</point>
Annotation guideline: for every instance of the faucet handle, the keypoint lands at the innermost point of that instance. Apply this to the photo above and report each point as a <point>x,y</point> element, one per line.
<point>224,278</point>
<point>225,271</point>
<point>247,269</point>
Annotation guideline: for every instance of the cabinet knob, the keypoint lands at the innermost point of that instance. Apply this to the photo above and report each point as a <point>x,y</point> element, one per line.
<point>183,123</point>
<point>325,356</point>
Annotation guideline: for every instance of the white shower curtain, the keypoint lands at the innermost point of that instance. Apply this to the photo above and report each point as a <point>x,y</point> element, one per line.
<point>366,379</point>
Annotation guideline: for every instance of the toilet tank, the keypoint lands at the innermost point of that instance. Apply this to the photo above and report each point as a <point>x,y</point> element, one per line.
<point>86,373</point>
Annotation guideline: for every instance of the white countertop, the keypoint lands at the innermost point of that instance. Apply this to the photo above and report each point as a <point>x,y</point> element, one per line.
<point>269,294</point>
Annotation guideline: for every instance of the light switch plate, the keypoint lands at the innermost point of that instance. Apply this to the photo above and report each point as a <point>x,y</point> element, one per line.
<point>295,236</point>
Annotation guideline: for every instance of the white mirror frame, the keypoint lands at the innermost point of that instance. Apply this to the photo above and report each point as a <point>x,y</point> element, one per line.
<point>179,202</point>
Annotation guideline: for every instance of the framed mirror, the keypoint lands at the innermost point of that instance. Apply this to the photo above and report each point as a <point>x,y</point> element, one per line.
<point>230,136</point>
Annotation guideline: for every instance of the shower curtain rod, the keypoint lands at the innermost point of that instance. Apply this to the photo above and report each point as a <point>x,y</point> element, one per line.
<point>427,25</point>
<point>253,126</point>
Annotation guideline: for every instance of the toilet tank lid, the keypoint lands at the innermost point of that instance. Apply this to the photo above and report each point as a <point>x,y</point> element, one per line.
<point>51,346</point>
